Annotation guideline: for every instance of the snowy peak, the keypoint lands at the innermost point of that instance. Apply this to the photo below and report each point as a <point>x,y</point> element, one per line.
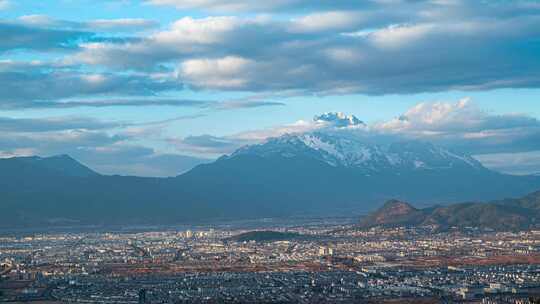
<point>428,156</point>
<point>347,151</point>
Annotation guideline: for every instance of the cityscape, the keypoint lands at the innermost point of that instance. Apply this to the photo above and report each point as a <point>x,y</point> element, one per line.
<point>328,263</point>
<point>269,151</point>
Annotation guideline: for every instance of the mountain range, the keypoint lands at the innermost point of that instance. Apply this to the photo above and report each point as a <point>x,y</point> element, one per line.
<point>315,173</point>
<point>506,214</point>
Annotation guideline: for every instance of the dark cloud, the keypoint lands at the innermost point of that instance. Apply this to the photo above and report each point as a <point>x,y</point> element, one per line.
<point>57,85</point>
<point>8,124</point>
<point>42,33</point>
<point>61,142</point>
<point>326,47</point>
<point>23,37</point>
<point>220,105</point>
<point>428,46</point>
<point>112,102</point>
<point>98,25</point>
<point>228,105</point>
<point>40,85</point>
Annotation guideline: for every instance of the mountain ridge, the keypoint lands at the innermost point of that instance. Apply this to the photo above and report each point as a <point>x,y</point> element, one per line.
<point>393,213</point>
<point>507,214</point>
<point>61,165</point>
<point>349,152</point>
<point>285,176</point>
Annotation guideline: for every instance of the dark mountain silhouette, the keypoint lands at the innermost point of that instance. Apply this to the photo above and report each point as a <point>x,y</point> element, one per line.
<point>308,174</point>
<point>317,172</point>
<point>60,165</point>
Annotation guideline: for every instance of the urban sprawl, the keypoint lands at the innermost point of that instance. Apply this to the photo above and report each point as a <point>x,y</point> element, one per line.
<point>328,264</point>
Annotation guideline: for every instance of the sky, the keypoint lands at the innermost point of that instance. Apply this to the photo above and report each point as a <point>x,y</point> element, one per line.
<point>154,87</point>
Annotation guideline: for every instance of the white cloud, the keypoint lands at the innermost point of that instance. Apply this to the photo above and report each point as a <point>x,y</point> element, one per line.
<point>214,146</point>
<point>42,87</point>
<point>316,47</point>
<point>437,117</point>
<point>300,126</point>
<point>223,73</point>
<point>324,21</point>
<point>207,30</point>
<point>461,119</point>
<point>338,52</point>
<point>397,36</point>
<point>462,125</point>
<point>523,163</point>
<point>459,125</point>
<point>184,39</point>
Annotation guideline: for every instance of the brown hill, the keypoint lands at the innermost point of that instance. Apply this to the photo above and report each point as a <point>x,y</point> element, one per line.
<point>507,214</point>
<point>394,213</point>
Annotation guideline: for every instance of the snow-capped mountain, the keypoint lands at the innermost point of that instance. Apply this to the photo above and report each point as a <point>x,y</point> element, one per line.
<point>343,165</point>
<point>339,150</point>
<point>336,169</point>
<point>316,173</point>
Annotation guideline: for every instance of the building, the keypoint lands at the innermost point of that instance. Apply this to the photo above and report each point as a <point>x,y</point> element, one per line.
<point>142,296</point>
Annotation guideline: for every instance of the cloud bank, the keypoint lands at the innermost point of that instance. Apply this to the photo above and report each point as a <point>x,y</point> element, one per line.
<point>459,125</point>
<point>310,47</point>
<point>427,46</point>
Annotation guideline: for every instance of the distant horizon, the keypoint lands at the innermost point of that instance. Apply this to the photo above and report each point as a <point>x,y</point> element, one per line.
<point>488,164</point>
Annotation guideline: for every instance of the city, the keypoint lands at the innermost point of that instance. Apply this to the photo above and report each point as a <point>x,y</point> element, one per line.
<point>313,263</point>
<point>269,151</point>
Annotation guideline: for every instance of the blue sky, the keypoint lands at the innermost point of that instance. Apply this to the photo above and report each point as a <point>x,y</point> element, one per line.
<point>155,87</point>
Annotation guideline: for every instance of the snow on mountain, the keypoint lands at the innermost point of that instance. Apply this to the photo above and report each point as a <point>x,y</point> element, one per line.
<point>339,150</point>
